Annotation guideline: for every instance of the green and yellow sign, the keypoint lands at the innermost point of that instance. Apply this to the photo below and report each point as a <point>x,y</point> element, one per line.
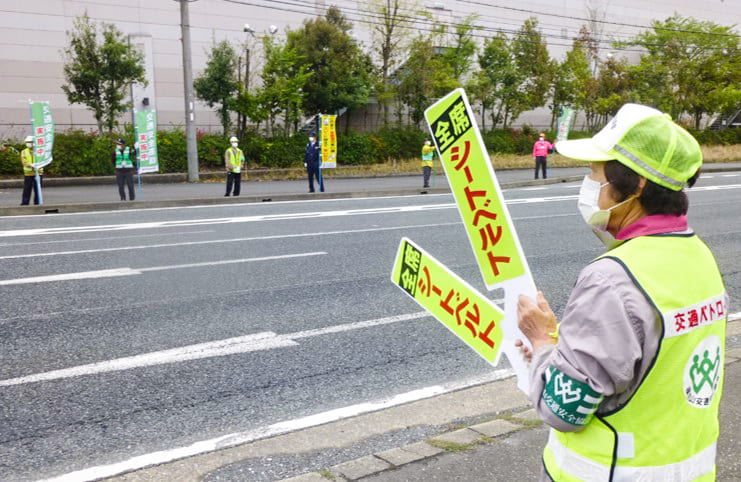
<point>564,123</point>
<point>42,125</point>
<point>145,133</point>
<point>463,310</point>
<point>471,176</point>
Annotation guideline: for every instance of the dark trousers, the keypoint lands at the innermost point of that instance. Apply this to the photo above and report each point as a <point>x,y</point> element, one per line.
<point>29,182</point>
<point>128,178</point>
<point>426,171</point>
<point>315,172</point>
<point>233,178</point>
<point>540,161</point>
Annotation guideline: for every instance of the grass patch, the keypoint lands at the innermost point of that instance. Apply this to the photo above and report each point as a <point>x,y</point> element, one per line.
<point>452,446</point>
<point>326,473</point>
<point>526,423</point>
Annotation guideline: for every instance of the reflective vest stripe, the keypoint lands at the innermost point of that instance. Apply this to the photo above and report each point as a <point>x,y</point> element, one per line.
<point>123,160</point>
<point>235,159</point>
<point>579,467</point>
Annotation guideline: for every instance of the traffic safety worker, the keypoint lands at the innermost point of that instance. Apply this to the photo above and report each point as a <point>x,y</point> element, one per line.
<point>428,152</point>
<point>29,176</point>
<point>123,159</point>
<point>631,379</point>
<point>234,160</point>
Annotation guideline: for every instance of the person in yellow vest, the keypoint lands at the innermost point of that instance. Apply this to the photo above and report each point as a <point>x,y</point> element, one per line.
<point>234,160</point>
<point>428,153</point>
<point>124,159</point>
<point>631,379</point>
<point>29,176</point>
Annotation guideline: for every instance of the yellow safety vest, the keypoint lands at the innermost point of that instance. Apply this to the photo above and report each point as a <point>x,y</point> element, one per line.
<point>427,153</point>
<point>27,161</point>
<point>235,159</point>
<point>668,430</point>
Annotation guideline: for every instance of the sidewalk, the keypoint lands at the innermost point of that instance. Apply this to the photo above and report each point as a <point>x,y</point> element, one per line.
<point>487,432</point>
<point>104,196</point>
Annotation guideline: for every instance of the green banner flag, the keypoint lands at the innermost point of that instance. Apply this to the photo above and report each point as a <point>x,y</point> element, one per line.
<point>42,125</point>
<point>145,133</point>
<point>564,123</point>
<point>453,302</point>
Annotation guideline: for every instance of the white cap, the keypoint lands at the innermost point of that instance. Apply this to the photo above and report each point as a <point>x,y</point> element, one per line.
<point>233,139</point>
<point>28,139</point>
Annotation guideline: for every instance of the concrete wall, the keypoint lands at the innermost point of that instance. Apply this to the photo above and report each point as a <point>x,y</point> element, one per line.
<point>33,35</point>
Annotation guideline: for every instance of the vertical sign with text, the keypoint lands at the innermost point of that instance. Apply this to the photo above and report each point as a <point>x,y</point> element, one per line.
<point>329,141</point>
<point>145,133</point>
<point>453,302</point>
<point>42,125</point>
<point>564,123</point>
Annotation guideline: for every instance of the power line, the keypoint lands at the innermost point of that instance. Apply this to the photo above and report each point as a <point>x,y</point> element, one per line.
<point>433,24</point>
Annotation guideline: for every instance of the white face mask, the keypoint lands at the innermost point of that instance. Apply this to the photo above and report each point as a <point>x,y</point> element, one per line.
<point>234,144</point>
<point>312,139</point>
<point>29,144</point>
<point>595,217</point>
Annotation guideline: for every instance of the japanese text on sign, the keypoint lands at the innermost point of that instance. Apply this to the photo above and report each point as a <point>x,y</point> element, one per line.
<point>145,126</point>
<point>42,126</point>
<point>472,181</point>
<point>464,311</point>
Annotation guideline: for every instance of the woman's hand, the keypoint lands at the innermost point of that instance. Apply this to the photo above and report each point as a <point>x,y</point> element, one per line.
<point>536,321</point>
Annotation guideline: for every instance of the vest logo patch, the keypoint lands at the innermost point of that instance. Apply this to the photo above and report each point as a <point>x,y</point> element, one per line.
<point>702,372</point>
<point>570,400</point>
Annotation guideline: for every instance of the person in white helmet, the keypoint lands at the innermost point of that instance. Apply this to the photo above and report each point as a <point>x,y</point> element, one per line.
<point>234,160</point>
<point>29,181</point>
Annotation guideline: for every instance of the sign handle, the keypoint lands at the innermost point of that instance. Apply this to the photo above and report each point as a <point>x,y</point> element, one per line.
<point>38,185</point>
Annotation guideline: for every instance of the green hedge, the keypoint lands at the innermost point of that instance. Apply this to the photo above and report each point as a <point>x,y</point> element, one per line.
<point>79,153</point>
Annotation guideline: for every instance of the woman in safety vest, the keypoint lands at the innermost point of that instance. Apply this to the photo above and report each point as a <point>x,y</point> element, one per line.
<point>631,378</point>
<point>428,152</point>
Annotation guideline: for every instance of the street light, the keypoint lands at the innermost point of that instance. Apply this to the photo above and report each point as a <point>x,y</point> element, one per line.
<point>247,29</point>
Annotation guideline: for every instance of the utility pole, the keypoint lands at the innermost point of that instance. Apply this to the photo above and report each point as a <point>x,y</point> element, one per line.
<point>190,116</point>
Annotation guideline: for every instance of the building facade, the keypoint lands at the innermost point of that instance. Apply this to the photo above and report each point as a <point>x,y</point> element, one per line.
<point>33,34</point>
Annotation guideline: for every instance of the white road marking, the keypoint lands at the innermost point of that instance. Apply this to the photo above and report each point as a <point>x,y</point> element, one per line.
<point>239,438</point>
<point>229,346</point>
<point>706,176</point>
<point>533,188</point>
<point>108,238</point>
<point>729,175</point>
<point>229,240</point>
<point>116,272</point>
<point>290,216</point>
<point>242,344</point>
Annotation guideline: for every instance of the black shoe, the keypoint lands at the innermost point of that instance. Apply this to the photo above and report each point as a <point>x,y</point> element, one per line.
<point>311,191</point>
<point>226,195</point>
<point>123,199</point>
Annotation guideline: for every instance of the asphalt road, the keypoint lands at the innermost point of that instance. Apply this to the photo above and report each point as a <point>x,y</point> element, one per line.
<point>98,307</point>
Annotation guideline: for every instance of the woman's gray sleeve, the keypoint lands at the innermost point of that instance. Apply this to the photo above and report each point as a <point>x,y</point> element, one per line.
<point>607,325</point>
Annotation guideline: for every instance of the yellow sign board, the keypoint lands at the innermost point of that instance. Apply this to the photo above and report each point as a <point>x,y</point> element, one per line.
<point>468,168</point>
<point>463,310</point>
<point>328,141</point>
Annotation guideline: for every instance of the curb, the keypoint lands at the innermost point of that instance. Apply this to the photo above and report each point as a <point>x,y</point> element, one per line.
<point>119,205</point>
<point>450,442</point>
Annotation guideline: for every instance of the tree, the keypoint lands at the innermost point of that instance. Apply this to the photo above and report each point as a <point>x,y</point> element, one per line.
<point>533,66</point>
<point>390,33</point>
<point>340,70</point>
<point>284,78</point>
<point>218,84</point>
<point>98,74</point>
<point>690,66</point>
<point>461,50</point>
<point>424,77</point>
<point>500,77</point>
<point>570,81</point>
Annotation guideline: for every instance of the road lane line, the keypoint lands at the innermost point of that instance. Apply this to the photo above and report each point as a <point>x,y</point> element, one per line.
<point>112,273</point>
<point>242,344</point>
<point>108,238</point>
<point>103,273</point>
<point>229,240</point>
<point>229,346</point>
<point>280,428</point>
<point>292,216</point>
<point>729,175</point>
